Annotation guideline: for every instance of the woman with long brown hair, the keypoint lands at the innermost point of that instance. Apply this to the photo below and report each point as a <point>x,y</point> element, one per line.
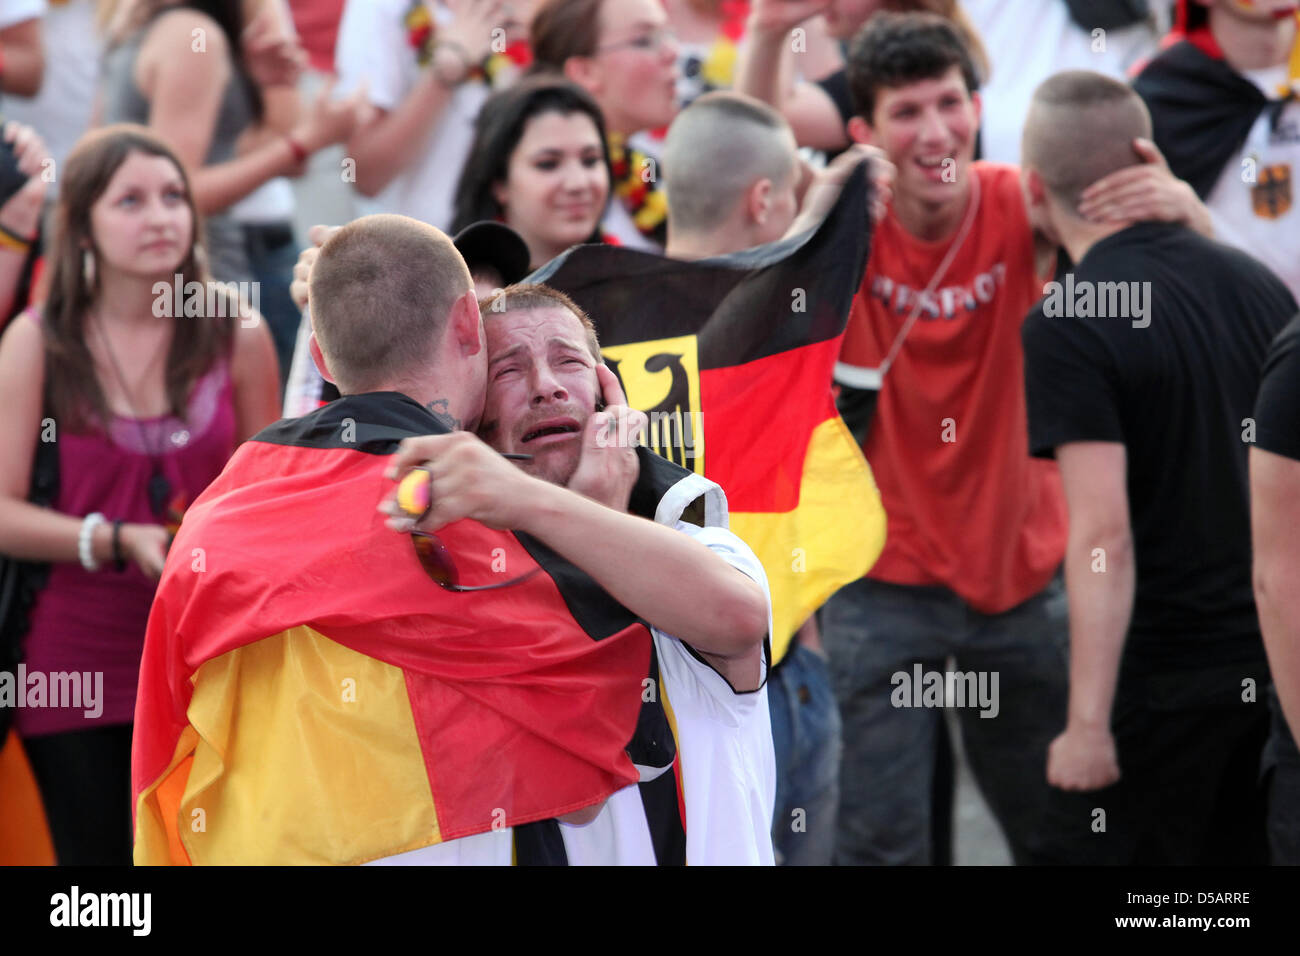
<point>125,390</point>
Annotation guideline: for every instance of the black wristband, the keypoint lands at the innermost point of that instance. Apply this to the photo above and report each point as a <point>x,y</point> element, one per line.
<point>118,561</point>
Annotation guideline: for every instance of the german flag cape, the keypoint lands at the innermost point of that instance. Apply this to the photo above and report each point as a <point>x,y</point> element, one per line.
<point>309,695</point>
<point>732,358</point>
<point>1201,109</point>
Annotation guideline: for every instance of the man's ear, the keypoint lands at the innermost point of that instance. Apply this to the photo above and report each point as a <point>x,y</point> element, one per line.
<point>1035,188</point>
<point>859,131</point>
<point>466,324</point>
<point>758,201</point>
<point>318,358</point>
<point>1038,206</point>
<point>978,103</point>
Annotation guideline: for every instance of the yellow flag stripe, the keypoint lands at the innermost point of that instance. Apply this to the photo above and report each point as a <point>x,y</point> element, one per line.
<point>833,536</point>
<point>304,752</point>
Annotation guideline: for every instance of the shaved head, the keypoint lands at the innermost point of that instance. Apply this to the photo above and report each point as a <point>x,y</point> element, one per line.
<point>381,290</point>
<point>716,149</point>
<point>1081,127</point>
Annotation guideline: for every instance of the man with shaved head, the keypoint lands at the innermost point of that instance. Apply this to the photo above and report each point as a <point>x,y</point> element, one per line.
<point>303,660</point>
<point>735,180</point>
<point>736,173</point>
<point>394,309</point>
<point>1141,369</point>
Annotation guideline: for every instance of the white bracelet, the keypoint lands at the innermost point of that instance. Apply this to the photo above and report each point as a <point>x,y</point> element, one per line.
<point>84,549</point>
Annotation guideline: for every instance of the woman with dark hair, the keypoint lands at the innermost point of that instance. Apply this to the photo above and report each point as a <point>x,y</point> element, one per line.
<point>128,389</point>
<point>540,164</point>
<point>180,68</point>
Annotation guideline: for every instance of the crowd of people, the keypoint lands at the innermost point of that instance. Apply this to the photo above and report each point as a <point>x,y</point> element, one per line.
<point>257,467</point>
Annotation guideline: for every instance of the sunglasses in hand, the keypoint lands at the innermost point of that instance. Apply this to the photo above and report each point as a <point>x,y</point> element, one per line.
<point>414,498</point>
<point>438,565</point>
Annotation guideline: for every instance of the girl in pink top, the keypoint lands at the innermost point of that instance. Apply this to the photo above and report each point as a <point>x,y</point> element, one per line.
<point>146,393</point>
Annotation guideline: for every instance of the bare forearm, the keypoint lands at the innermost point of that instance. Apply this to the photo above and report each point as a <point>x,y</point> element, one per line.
<point>11,270</point>
<point>1277,597</point>
<point>392,143</point>
<point>221,186</point>
<point>671,580</point>
<point>24,68</point>
<point>32,533</point>
<point>1198,216</point>
<point>283,109</point>
<point>1100,580</point>
<point>1275,510</point>
<point>763,72</point>
<point>21,216</point>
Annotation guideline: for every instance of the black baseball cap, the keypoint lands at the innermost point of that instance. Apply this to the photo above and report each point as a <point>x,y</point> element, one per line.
<point>494,244</point>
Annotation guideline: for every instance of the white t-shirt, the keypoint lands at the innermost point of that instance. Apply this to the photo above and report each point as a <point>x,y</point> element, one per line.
<point>373,48</point>
<point>725,751</point>
<point>1029,41</point>
<point>728,767</point>
<point>302,391</point>
<point>1255,204</point>
<point>16,11</point>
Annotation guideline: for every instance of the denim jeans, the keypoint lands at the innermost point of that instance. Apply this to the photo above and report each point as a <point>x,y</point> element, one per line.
<point>806,735</point>
<point>876,635</point>
<point>272,253</point>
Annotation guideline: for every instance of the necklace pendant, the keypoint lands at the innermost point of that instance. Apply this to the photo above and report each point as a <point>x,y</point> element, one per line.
<point>160,490</point>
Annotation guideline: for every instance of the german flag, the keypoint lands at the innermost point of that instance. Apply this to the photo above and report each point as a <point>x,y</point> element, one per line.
<point>309,695</point>
<point>732,359</point>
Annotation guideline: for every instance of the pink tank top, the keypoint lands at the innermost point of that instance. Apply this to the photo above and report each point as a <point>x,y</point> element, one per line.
<point>93,623</point>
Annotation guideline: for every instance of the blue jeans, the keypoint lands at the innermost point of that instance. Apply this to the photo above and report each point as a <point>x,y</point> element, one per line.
<point>806,735</point>
<point>880,638</point>
<point>272,253</point>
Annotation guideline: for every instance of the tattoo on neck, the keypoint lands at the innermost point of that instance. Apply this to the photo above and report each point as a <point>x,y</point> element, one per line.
<point>441,409</point>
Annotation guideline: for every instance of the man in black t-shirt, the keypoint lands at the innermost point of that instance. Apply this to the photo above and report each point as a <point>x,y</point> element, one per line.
<point>1141,370</point>
<point>1275,514</point>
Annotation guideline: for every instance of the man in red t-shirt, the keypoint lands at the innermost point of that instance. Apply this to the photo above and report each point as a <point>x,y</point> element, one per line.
<point>977,528</point>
